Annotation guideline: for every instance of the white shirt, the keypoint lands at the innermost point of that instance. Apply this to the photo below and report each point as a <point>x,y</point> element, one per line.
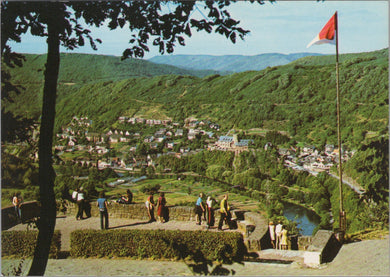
<point>209,202</point>
<point>80,196</point>
<point>272,231</point>
<point>278,229</point>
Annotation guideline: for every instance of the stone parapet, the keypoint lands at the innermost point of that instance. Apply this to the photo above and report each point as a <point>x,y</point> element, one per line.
<point>323,248</point>
<point>8,217</point>
<point>136,211</point>
<point>304,242</point>
<point>255,229</point>
<point>29,210</point>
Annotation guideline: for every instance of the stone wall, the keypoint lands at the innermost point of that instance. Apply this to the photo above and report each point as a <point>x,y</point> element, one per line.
<point>323,248</point>
<point>28,210</point>
<point>8,217</point>
<point>304,242</point>
<point>255,228</point>
<point>136,211</point>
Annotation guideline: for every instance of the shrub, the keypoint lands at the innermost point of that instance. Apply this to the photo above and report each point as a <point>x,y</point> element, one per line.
<point>22,243</point>
<point>159,244</point>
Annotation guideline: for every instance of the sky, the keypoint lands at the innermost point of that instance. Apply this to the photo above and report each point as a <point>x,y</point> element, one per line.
<point>282,27</point>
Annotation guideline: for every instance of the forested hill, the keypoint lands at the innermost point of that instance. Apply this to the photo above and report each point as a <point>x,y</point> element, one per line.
<point>85,68</point>
<point>298,98</point>
<point>232,63</point>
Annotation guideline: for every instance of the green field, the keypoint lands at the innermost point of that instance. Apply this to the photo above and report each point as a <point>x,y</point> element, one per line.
<point>177,193</point>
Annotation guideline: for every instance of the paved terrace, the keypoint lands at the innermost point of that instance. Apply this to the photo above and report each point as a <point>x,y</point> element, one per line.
<point>68,224</point>
<point>367,258</point>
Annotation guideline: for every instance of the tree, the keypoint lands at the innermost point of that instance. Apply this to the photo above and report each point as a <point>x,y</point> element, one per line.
<point>60,23</point>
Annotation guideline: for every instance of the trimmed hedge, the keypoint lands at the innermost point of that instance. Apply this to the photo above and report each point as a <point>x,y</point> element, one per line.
<point>22,243</point>
<point>158,244</point>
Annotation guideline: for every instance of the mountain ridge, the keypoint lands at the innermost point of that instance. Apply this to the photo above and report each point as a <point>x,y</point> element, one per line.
<point>297,98</point>
<point>232,63</point>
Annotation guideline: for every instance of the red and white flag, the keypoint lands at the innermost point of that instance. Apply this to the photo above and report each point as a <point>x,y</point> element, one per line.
<point>327,34</point>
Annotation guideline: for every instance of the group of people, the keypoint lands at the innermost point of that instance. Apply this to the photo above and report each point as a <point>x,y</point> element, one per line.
<point>161,206</point>
<point>278,235</point>
<point>203,208</point>
<point>79,197</point>
<point>102,204</point>
<point>207,211</point>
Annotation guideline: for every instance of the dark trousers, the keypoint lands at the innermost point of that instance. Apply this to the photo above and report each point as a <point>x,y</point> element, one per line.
<point>199,213</point>
<point>18,213</point>
<point>80,211</point>
<point>151,214</point>
<point>103,217</point>
<point>210,217</point>
<point>223,218</point>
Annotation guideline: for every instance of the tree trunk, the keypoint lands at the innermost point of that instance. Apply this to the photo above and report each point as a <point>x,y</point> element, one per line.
<point>47,219</point>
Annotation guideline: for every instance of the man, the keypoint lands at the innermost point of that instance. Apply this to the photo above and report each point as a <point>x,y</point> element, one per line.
<point>200,209</point>
<point>80,204</point>
<point>102,204</point>
<point>225,212</point>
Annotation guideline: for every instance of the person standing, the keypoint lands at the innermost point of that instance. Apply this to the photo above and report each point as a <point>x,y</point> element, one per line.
<point>74,195</point>
<point>271,228</point>
<point>80,204</point>
<point>210,211</point>
<point>150,207</point>
<point>199,209</point>
<point>278,232</point>
<point>225,212</point>
<point>103,209</point>
<point>161,203</point>
<point>284,243</point>
<point>16,201</point>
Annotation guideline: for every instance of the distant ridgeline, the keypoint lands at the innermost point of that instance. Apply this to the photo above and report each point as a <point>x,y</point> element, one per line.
<point>229,63</point>
<point>297,98</point>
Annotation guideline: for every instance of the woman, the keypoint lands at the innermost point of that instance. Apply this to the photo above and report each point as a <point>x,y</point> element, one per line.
<point>272,236</point>
<point>150,207</point>
<point>210,212</point>
<point>161,202</point>
<point>102,204</point>
<point>284,243</point>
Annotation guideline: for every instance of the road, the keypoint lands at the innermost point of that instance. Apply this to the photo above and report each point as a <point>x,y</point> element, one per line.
<point>359,190</point>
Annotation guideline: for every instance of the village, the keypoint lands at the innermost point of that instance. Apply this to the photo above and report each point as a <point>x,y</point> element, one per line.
<point>172,138</point>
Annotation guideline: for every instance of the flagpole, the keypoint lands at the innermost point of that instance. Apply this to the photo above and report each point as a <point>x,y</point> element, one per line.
<point>342,218</point>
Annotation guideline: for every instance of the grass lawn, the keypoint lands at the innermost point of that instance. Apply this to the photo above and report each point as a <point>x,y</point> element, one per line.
<point>183,192</point>
<point>177,192</point>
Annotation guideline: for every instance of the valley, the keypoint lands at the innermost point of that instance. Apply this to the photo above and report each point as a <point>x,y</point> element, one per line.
<point>267,136</point>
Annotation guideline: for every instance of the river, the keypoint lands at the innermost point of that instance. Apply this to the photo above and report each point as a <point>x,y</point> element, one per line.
<point>307,220</point>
